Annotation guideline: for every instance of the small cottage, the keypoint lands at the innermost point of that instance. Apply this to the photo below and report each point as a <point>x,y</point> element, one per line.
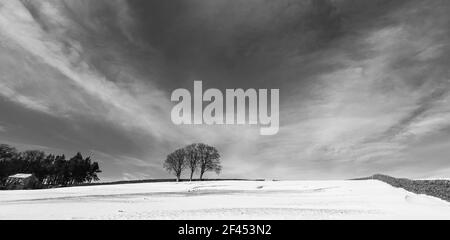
<point>21,181</point>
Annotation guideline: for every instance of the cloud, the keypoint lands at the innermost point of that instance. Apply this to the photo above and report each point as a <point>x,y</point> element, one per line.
<point>365,114</point>
<point>363,84</point>
<point>66,56</point>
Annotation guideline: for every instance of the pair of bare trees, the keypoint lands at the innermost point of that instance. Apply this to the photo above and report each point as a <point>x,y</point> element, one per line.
<point>195,157</point>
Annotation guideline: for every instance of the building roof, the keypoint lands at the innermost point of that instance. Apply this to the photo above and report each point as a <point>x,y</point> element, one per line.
<point>21,175</point>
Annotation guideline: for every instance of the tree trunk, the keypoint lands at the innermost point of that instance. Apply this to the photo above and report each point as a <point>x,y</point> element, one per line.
<point>201,176</point>
<point>192,173</point>
<point>178,178</point>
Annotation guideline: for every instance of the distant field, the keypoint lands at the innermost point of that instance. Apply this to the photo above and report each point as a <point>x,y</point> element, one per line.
<point>367,199</point>
<point>166,180</point>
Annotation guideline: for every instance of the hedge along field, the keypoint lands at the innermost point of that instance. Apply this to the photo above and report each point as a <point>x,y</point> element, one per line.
<point>435,188</point>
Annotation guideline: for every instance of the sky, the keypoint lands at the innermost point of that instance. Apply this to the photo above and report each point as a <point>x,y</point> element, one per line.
<point>364,84</point>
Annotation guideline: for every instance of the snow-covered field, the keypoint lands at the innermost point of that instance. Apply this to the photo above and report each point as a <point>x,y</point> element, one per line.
<point>368,199</point>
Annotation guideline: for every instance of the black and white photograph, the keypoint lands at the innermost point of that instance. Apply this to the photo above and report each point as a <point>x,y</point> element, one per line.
<point>224,110</point>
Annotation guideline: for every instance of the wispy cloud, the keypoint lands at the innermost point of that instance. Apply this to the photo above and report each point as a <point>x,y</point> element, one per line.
<point>363,86</point>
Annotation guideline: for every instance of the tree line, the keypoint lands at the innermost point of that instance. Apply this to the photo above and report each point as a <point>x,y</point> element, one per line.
<point>48,169</point>
<point>197,157</point>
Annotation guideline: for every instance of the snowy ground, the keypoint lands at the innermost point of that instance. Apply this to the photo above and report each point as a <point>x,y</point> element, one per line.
<point>368,199</point>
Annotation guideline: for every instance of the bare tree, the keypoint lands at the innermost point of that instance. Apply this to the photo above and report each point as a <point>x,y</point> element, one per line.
<point>175,162</point>
<point>192,158</point>
<point>209,159</point>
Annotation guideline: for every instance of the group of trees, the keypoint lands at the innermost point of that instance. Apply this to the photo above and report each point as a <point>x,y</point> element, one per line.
<point>195,157</point>
<point>49,169</point>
